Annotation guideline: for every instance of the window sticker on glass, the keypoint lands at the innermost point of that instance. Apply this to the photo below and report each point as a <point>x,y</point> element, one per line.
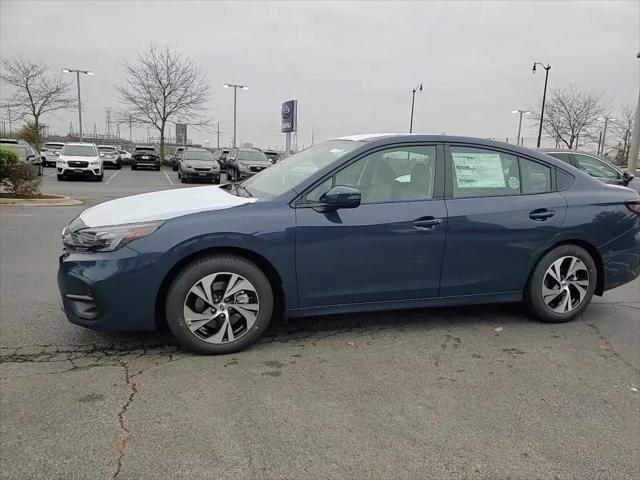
<point>478,170</point>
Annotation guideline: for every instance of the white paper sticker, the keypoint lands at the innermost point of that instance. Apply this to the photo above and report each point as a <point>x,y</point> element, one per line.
<point>514,183</point>
<point>478,170</point>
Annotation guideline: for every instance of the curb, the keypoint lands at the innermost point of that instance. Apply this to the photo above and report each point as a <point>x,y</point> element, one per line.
<point>59,201</point>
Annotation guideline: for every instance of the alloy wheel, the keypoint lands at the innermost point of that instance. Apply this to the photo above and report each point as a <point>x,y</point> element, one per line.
<point>565,284</point>
<point>221,307</point>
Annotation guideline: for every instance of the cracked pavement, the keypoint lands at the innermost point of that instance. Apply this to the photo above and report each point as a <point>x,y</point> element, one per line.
<point>413,394</point>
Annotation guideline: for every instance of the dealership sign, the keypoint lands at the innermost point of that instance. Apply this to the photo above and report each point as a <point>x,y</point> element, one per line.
<point>289,116</point>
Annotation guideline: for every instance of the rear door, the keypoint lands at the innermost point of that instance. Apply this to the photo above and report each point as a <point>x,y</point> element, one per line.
<point>390,247</point>
<point>502,211</point>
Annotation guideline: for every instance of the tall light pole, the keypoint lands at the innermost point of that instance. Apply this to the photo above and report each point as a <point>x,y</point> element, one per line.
<point>78,72</point>
<point>521,112</point>
<point>544,94</point>
<point>413,101</point>
<point>235,93</point>
<point>604,133</point>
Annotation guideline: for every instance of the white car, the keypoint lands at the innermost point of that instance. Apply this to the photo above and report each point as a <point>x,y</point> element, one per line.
<point>51,150</point>
<point>124,155</point>
<point>80,160</point>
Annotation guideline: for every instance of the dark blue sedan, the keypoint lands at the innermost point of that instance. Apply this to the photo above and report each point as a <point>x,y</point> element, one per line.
<point>370,222</point>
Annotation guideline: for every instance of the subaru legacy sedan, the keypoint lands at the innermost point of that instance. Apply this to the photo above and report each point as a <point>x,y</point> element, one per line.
<point>369,222</point>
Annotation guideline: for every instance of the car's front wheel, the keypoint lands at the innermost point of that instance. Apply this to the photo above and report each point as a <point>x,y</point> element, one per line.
<point>219,304</point>
<point>562,284</point>
<point>61,178</point>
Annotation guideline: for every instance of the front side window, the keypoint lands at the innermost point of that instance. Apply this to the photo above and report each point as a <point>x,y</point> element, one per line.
<point>401,174</point>
<point>79,151</point>
<point>594,167</point>
<point>484,173</point>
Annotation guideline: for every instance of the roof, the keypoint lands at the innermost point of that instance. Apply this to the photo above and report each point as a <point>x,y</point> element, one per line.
<point>79,143</point>
<point>367,137</point>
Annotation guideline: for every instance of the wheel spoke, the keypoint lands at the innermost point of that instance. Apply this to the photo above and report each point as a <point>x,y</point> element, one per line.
<point>565,305</point>
<point>195,320</point>
<point>203,289</point>
<point>580,287</point>
<point>225,328</point>
<point>237,284</point>
<point>249,311</point>
<point>550,294</point>
<point>575,267</point>
<point>554,271</point>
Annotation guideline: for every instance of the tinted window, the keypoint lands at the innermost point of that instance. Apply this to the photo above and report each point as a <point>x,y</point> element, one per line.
<point>79,151</point>
<point>534,177</point>
<point>53,146</point>
<point>396,175</point>
<point>107,149</point>
<point>484,173</point>
<point>594,167</point>
<point>565,157</point>
<point>145,150</point>
<point>197,155</point>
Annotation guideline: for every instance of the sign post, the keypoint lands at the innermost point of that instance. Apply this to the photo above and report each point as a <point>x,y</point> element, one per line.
<point>289,122</point>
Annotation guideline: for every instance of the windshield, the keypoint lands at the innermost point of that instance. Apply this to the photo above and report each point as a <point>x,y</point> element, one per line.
<point>289,172</point>
<point>198,155</point>
<point>251,156</point>
<point>52,146</point>
<point>79,151</point>
<point>144,150</point>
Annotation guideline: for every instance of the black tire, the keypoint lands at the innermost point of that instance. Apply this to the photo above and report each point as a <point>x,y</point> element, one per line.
<point>119,166</point>
<point>197,270</point>
<point>157,169</point>
<point>98,178</point>
<point>216,181</point>
<point>133,167</point>
<point>61,178</point>
<point>533,298</point>
<point>183,180</point>
<point>174,168</point>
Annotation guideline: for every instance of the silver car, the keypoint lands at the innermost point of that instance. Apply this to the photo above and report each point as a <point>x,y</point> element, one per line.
<point>198,164</point>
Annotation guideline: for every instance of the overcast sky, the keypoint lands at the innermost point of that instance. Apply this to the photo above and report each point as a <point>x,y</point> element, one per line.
<point>351,66</point>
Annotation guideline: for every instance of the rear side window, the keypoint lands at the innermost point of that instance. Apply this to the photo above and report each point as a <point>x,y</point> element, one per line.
<point>595,167</point>
<point>484,173</point>
<point>534,177</point>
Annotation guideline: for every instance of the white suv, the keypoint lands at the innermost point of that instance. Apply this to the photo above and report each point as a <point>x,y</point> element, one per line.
<point>80,159</point>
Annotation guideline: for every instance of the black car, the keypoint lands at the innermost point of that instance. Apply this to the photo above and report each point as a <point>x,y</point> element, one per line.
<point>220,156</point>
<point>110,156</point>
<point>175,158</point>
<point>245,162</point>
<point>144,156</point>
<point>595,166</point>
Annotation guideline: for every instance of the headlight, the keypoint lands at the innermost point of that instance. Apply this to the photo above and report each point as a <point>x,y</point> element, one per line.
<point>243,167</point>
<point>107,239</point>
<point>94,162</point>
<point>188,167</point>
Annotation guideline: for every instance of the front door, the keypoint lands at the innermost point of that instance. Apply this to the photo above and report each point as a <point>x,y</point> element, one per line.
<point>390,247</point>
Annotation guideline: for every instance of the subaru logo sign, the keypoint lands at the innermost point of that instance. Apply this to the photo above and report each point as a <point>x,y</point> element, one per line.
<point>289,116</point>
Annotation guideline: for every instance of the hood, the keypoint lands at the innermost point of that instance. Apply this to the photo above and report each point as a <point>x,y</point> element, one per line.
<point>161,205</point>
<point>75,158</point>
<point>254,162</point>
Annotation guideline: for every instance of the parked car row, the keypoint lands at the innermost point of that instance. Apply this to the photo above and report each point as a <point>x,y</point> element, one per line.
<point>26,153</point>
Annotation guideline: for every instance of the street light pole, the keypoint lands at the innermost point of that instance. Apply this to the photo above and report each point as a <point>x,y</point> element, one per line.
<point>235,95</point>
<point>544,95</point>
<point>413,101</point>
<point>78,72</point>
<point>521,112</point>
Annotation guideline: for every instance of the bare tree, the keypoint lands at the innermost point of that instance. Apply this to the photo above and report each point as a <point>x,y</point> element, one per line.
<point>571,115</point>
<point>36,90</point>
<point>622,129</point>
<point>163,85</point>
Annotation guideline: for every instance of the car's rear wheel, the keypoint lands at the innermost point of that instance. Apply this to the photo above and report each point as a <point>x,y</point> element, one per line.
<point>133,167</point>
<point>219,304</point>
<point>562,284</point>
<point>216,180</point>
<point>61,178</point>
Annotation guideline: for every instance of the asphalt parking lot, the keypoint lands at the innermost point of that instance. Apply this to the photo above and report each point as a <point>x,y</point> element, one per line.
<point>463,393</point>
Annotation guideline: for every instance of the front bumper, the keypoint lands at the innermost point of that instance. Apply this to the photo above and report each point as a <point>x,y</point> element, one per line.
<point>197,174</point>
<point>110,291</point>
<point>91,171</point>
<point>145,163</point>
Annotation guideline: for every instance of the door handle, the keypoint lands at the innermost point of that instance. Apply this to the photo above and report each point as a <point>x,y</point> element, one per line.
<point>427,223</point>
<point>541,214</point>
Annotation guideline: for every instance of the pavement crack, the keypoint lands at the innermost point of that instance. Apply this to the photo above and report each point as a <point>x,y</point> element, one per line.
<point>612,350</point>
<point>125,430</point>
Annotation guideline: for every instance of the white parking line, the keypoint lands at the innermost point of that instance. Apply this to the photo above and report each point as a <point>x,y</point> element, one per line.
<point>168,178</point>
<point>112,177</point>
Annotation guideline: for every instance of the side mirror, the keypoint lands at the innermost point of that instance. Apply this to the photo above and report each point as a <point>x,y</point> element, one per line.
<point>627,177</point>
<point>338,197</point>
